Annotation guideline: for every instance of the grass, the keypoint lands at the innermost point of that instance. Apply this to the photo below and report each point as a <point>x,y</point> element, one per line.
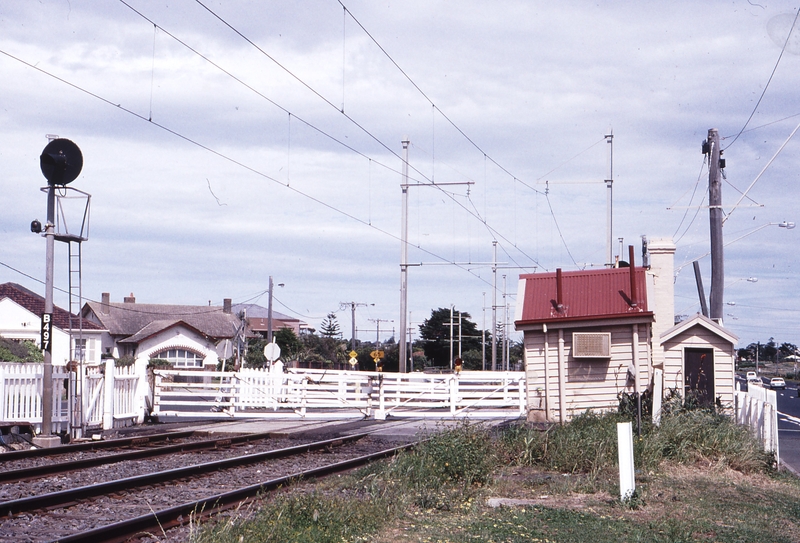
<point>699,478</point>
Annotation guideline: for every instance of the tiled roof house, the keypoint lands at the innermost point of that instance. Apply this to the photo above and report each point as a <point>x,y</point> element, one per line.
<point>21,312</point>
<point>188,336</point>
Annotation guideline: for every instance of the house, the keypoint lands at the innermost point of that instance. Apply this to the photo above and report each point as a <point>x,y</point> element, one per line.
<point>591,335</point>
<point>187,336</point>
<point>257,318</point>
<point>21,318</point>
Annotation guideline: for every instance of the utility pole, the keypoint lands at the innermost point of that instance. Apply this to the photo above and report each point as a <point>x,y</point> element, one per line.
<point>378,330</point>
<point>609,204</point>
<point>494,306</point>
<point>483,336</point>
<point>352,305</point>
<point>404,257</point>
<point>715,216</point>
<point>404,247</point>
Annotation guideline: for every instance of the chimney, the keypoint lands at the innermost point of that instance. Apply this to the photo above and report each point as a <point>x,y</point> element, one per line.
<point>104,302</point>
<point>226,305</point>
<point>634,299</point>
<point>559,287</point>
<point>662,278</point>
<point>129,299</point>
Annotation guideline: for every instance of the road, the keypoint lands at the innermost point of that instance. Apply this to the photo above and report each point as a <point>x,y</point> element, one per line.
<point>788,423</point>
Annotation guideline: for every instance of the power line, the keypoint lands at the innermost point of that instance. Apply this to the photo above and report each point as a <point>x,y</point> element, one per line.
<point>475,214</point>
<point>774,69</point>
<point>232,160</point>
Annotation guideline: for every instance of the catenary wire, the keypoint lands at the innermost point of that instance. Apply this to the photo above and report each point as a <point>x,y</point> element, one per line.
<point>763,92</point>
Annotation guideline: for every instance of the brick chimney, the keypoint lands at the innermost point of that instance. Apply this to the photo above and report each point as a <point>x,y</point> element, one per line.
<point>129,299</point>
<point>105,301</point>
<point>226,305</point>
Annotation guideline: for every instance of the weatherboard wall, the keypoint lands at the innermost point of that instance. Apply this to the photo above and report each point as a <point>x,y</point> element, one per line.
<point>701,335</point>
<point>561,386</point>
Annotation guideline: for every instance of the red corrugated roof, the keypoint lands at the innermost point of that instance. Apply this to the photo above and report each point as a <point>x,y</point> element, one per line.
<point>592,294</point>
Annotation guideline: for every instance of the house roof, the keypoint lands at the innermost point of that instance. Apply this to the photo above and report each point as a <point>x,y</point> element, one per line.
<point>256,311</point>
<point>35,304</point>
<point>142,320</point>
<point>585,295</point>
<point>699,320</point>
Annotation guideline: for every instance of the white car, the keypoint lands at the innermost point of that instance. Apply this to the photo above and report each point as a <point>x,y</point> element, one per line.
<point>751,375</point>
<point>777,382</point>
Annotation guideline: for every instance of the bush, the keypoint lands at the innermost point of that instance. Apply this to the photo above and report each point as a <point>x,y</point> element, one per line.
<point>445,467</point>
<point>694,435</point>
<point>20,351</point>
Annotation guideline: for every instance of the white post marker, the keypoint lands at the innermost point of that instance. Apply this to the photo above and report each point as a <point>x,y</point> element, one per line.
<point>627,481</point>
<point>658,392</point>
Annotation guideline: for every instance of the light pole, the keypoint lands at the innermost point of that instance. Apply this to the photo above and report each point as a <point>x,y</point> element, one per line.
<point>269,311</point>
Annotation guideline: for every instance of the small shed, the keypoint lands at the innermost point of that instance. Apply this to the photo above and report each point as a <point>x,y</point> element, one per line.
<point>586,338</point>
<point>699,359</point>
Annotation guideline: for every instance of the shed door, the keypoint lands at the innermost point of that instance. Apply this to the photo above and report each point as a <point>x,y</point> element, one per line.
<point>699,371</point>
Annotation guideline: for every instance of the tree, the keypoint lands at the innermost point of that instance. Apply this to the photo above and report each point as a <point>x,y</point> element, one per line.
<point>787,349</point>
<point>330,326</point>
<point>436,334</point>
<point>289,343</point>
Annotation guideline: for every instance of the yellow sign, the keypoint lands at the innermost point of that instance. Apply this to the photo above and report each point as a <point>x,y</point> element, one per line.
<point>377,354</point>
<point>353,354</point>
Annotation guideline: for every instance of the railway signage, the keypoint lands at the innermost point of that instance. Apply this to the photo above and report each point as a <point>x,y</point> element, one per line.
<point>47,332</point>
<point>272,351</point>
<point>376,355</point>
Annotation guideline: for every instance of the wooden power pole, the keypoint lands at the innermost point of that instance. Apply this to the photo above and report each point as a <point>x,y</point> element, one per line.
<point>715,216</point>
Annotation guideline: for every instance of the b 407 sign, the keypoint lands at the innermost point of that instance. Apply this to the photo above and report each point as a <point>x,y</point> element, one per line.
<point>47,332</point>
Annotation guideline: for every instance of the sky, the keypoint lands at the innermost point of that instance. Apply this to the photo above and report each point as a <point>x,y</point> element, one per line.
<point>227,142</point>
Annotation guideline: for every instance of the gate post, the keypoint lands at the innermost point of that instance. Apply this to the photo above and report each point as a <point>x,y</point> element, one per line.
<point>381,413</point>
<point>108,395</point>
<point>453,394</point>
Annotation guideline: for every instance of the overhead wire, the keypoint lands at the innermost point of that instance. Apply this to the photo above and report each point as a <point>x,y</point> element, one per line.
<point>226,157</point>
<point>688,207</point>
<point>132,307</point>
<point>348,117</point>
<point>769,80</point>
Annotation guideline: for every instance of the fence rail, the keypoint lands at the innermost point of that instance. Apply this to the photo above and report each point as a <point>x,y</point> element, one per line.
<point>306,393</point>
<point>80,401</point>
<point>757,408</point>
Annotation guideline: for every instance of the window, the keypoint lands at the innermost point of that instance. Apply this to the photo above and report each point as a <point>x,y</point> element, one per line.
<point>181,358</point>
<point>84,349</point>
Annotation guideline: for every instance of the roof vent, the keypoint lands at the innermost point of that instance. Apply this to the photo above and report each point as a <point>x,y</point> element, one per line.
<point>591,345</point>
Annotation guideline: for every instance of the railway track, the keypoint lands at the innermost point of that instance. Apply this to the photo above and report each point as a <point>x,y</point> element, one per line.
<point>55,507</point>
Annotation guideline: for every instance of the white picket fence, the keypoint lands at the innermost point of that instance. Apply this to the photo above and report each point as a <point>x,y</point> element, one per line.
<point>757,408</point>
<point>79,405</point>
<point>304,393</point>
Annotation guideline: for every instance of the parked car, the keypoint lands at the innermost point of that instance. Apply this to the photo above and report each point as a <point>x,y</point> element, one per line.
<point>777,382</point>
<point>754,381</point>
<point>751,375</point>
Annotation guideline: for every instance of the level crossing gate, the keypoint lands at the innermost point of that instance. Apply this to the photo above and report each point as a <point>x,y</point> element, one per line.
<point>334,394</point>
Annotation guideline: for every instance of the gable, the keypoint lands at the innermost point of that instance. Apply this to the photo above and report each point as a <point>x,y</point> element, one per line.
<point>709,326</point>
<point>34,304</point>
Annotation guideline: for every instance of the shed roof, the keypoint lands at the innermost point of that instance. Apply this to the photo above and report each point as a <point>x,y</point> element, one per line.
<point>35,304</point>
<point>699,320</point>
<point>585,295</point>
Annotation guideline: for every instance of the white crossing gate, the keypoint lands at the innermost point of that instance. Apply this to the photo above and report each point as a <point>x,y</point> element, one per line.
<point>307,393</point>
<point>79,404</point>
